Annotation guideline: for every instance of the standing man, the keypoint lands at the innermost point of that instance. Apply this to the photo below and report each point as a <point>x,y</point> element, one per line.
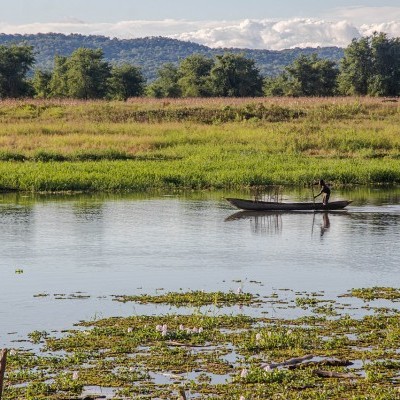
<point>325,189</point>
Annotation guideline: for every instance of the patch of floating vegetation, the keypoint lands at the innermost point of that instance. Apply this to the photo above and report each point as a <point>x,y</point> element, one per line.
<point>194,298</point>
<point>203,356</point>
<point>375,293</point>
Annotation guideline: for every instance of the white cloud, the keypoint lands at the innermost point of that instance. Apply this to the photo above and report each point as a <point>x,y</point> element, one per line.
<point>275,35</point>
<point>256,34</point>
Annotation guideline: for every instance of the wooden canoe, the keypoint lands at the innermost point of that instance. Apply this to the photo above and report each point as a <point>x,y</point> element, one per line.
<point>253,205</point>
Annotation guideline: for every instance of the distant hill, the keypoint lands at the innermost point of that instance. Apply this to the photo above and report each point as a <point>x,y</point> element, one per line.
<point>151,52</point>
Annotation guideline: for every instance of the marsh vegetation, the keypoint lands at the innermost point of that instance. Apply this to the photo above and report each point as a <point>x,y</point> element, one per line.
<point>333,350</point>
<point>210,143</point>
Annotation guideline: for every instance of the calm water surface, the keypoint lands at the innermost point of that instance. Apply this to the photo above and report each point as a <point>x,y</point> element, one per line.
<point>99,246</point>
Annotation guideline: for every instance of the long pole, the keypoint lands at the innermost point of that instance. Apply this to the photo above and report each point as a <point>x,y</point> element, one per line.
<point>3,358</point>
<point>312,189</point>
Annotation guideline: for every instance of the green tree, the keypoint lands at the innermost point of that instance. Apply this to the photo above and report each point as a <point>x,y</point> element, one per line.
<point>125,81</point>
<point>194,72</point>
<point>235,76</point>
<point>166,85</point>
<point>87,74</point>
<point>281,85</point>
<point>15,62</point>
<point>356,68</point>
<point>371,65</point>
<point>41,83</point>
<point>385,80</point>
<point>315,76</point>
<point>59,79</point>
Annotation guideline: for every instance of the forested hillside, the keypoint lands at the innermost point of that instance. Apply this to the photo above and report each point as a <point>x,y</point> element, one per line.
<point>152,52</point>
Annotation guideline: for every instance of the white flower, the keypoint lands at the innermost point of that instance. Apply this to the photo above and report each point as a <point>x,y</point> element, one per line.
<point>159,328</point>
<point>164,327</point>
<point>267,368</point>
<point>195,330</point>
<point>269,333</point>
<point>201,330</point>
<point>242,398</point>
<point>239,290</point>
<point>258,337</point>
<point>12,352</point>
<point>244,373</point>
<point>75,375</point>
<point>130,330</point>
<point>164,333</point>
<point>181,327</point>
<point>289,332</point>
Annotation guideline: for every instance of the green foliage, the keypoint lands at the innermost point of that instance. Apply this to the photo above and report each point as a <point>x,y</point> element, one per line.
<point>152,52</point>
<point>194,74</point>
<point>59,81</point>
<point>87,74</point>
<point>125,81</point>
<point>371,65</point>
<point>315,77</point>
<point>235,76</point>
<point>15,62</point>
<point>281,85</point>
<point>166,85</point>
<point>356,68</point>
<point>41,83</point>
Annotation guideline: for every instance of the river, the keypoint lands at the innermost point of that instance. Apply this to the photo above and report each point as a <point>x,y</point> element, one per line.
<point>62,258</point>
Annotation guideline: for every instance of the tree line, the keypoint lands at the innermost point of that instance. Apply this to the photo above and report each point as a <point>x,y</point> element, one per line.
<point>370,66</point>
<point>150,53</point>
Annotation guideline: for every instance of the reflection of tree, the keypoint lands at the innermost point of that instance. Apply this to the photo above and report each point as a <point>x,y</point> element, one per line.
<point>260,222</point>
<point>270,224</point>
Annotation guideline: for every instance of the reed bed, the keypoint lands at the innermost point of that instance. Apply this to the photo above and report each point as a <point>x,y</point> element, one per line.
<point>144,144</point>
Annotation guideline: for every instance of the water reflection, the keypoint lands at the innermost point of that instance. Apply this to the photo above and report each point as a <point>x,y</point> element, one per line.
<point>325,225</point>
<point>264,223</point>
<point>271,223</point>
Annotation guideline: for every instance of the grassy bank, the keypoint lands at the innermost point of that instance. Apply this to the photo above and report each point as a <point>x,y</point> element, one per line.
<point>324,353</point>
<point>217,143</point>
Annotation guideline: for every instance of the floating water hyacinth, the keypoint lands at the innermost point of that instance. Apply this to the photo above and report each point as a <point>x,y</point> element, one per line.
<point>244,373</point>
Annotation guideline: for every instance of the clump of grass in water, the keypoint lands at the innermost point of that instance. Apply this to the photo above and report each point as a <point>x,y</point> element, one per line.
<point>129,353</point>
<point>374,293</point>
<point>194,298</point>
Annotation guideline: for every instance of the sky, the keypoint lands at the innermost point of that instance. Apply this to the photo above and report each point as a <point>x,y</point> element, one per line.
<point>261,24</point>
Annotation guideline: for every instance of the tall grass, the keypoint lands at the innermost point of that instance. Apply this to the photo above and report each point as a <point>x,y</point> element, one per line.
<point>218,143</point>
